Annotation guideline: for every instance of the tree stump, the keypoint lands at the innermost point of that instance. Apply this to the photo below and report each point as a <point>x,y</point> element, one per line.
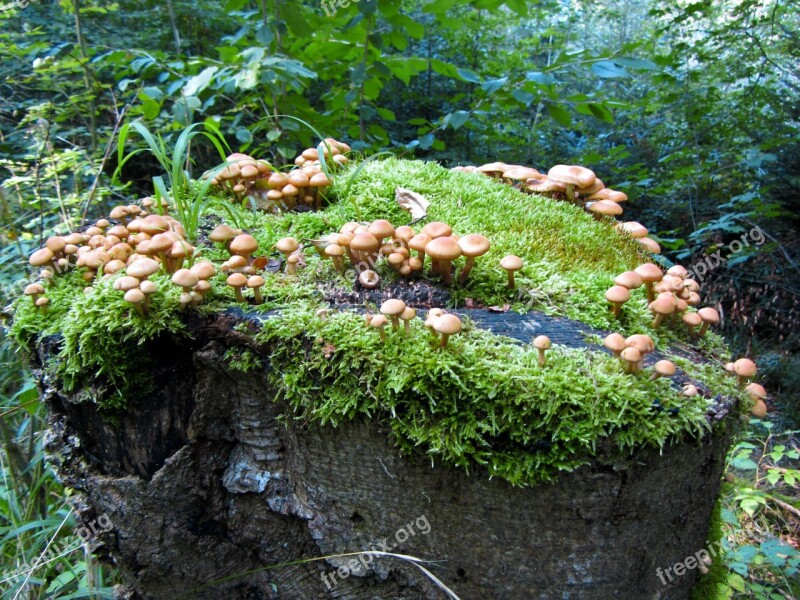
<point>214,493</point>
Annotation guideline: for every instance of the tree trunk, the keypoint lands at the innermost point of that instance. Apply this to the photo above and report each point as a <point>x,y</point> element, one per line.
<point>214,493</point>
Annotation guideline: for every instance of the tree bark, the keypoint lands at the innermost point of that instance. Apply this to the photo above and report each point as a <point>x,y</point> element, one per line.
<point>212,491</point>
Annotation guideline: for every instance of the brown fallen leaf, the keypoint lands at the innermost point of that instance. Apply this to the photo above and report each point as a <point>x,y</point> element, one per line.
<point>413,202</point>
<point>500,309</point>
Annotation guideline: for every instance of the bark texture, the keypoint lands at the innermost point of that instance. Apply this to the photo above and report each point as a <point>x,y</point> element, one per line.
<point>207,484</point>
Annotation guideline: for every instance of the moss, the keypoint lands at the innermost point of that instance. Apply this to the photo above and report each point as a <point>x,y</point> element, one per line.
<point>707,586</point>
<point>484,401</point>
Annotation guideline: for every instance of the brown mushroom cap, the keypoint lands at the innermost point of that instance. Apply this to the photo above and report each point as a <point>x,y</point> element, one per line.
<point>605,207</point>
<point>692,319</point>
<point>629,279</point>
<point>649,272</point>
<point>664,368</point>
<point>542,342</point>
<point>185,278</point>
<point>392,307</point>
<point>643,343</point>
<point>709,315</point>
<point>448,324</point>
<point>614,342</point>
<point>369,279</point>
<point>134,296</point>
<point>34,289</point>
<point>511,263</point>
<point>236,280</point>
<point>41,257</point>
<point>474,244</point>
<point>287,245</point>
<point>223,233</point>
<point>364,242</point>
<point>572,175</point>
<point>634,229</point>
<point>381,229</point>
<point>631,355</point>
<point>437,229</point>
<point>142,268</point>
<point>756,391</point>
<point>744,367</point>
<point>125,283</point>
<point>243,245</point>
<point>419,241</point>
<point>618,294</point>
<point>204,270</point>
<point>443,248</point>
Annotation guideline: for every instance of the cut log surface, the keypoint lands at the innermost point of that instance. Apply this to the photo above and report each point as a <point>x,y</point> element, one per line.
<point>214,493</point>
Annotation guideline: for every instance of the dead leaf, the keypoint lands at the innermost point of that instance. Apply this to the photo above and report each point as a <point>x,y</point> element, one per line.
<point>413,202</point>
<point>500,309</point>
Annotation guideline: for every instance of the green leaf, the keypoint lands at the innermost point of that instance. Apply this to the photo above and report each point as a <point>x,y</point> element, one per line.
<point>468,75</point>
<point>490,87</point>
<point>601,112</point>
<point>560,115</point>
<point>540,78</point>
<point>736,582</point>
<point>608,70</point>
<point>458,118</point>
<point>244,135</point>
<point>199,82</point>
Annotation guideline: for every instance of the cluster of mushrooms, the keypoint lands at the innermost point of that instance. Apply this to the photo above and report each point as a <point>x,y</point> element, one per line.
<point>576,184</point>
<point>441,324</point>
<point>668,295</point>
<point>275,190</point>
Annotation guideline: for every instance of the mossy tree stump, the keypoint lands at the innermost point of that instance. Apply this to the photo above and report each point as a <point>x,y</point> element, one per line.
<point>209,485</point>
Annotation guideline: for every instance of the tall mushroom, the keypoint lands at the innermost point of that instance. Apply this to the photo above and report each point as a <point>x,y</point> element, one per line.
<point>472,246</point>
<point>542,344</point>
<point>649,274</point>
<point>511,264</point>
<point>709,316</point>
<point>443,251</point>
<point>393,308</point>
<point>447,325</point>
<point>573,176</point>
<point>617,296</point>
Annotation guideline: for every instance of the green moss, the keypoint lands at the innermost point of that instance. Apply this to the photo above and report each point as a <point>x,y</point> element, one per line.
<point>707,586</point>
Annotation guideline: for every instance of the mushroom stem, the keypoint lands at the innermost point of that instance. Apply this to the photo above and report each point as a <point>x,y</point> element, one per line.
<point>571,192</point>
<point>239,296</point>
<point>337,263</point>
<point>445,337</point>
<point>383,334</point>
<point>446,271</point>
<point>542,357</point>
<point>468,264</point>
<point>657,320</point>
<point>511,279</point>
<point>259,299</point>
<point>648,286</point>
<point>615,308</point>
<point>703,328</point>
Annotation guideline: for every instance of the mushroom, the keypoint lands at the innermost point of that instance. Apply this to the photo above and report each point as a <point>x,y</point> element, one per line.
<point>661,307</point>
<point>447,325</point>
<point>634,229</point>
<point>542,344</point>
<point>472,246</point>
<point>223,234</point>
<point>406,316</point>
<point>511,264</point>
<point>433,314</point>
<point>756,391</point>
<point>363,246</point>
<point>42,304</point>
<point>237,281</point>
<point>759,409</point>
<point>709,316</point>
<point>335,252</point>
<point>443,251</point>
<point>381,229</point>
<point>380,322</point>
<point>573,176</point>
<point>186,279</point>
<point>649,274</point>
<point>745,369</point>
<point>254,282</point>
<point>418,243</point>
<point>629,279</point>
<point>135,296</point>
<point>617,295</point>
<point>393,308</point>
<point>614,342</point>
<point>663,368</point>
<point>437,229</point>
<point>243,245</point>
<point>369,279</point>
<point>689,390</point>
<point>34,290</point>
<point>650,245</point>
<point>286,246</point>
<point>631,357</point>
<point>692,320</point>
<point>142,268</point>
<point>148,289</point>
<point>291,264</point>
<point>604,208</point>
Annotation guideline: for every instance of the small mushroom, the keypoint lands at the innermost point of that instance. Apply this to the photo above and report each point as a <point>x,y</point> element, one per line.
<point>649,274</point>
<point>542,344</point>
<point>393,308</point>
<point>663,368</point>
<point>745,369</point>
<point>433,314</point>
<point>661,307</point>
<point>335,252</point>
<point>237,281</point>
<point>710,317</point>
<point>692,321</point>
<point>42,304</point>
<point>447,325</point>
<point>135,296</point>
<point>631,357</point>
<point>614,342</point>
<point>34,290</point>
<point>186,279</point>
<point>369,279</point>
<point>511,264</point>
<point>472,246</point>
<point>689,390</point>
<point>380,322</point>
<point>617,296</point>
<point>287,246</point>
<point>629,279</point>
<point>291,264</point>
<point>406,317</point>
<point>443,251</point>
<point>243,245</point>
<point>254,282</point>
